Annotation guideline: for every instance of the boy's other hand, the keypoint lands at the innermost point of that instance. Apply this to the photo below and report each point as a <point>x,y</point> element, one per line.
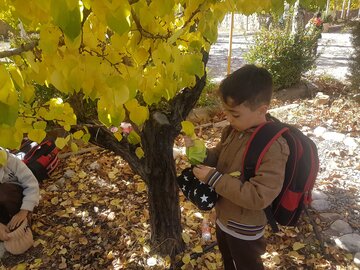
<point>188,141</point>
<point>201,171</point>
<point>17,219</point>
<point>4,232</point>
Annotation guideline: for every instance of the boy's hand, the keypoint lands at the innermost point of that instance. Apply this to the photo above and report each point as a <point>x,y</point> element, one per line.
<point>188,141</point>
<point>4,232</point>
<point>201,171</point>
<point>17,219</point>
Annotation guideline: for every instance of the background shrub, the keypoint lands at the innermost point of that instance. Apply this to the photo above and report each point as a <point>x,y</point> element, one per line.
<point>286,56</point>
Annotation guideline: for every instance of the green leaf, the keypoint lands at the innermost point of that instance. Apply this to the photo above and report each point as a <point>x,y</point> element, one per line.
<point>119,20</point>
<point>193,65</point>
<point>8,114</point>
<point>133,138</point>
<point>67,18</point>
<point>196,153</point>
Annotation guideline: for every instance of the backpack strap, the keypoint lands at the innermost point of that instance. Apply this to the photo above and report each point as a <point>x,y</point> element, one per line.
<point>257,146</point>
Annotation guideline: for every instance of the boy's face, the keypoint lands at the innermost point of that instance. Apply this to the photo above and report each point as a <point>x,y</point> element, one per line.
<point>241,117</point>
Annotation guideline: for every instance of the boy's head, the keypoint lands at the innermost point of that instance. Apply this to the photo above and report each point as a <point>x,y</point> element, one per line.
<point>246,95</point>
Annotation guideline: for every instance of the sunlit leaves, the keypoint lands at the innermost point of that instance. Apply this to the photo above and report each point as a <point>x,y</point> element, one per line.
<point>36,135</point>
<point>124,57</point>
<point>138,114</point>
<point>118,19</point>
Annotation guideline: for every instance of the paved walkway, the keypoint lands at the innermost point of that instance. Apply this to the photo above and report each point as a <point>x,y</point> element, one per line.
<point>335,50</point>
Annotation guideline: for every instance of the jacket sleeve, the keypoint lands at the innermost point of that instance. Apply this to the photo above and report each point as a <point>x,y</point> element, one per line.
<point>27,181</point>
<point>212,154</point>
<point>260,190</point>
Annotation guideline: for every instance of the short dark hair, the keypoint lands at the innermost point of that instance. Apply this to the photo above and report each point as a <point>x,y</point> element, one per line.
<point>249,84</point>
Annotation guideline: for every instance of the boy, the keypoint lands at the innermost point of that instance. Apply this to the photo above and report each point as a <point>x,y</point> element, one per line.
<point>19,193</point>
<point>246,95</point>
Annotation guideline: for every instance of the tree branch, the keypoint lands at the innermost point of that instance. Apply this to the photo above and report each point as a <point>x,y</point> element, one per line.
<point>17,51</point>
<point>104,138</point>
<point>184,102</point>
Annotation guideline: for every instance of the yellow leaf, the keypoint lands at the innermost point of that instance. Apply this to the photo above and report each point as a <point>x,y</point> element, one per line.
<point>139,152</point>
<point>187,128</point>
<point>55,200</point>
<point>63,251</point>
<point>3,157</point>
<point>74,147</point>
<point>276,259</point>
<point>21,266</point>
<point>36,135</point>
<point>60,142</point>
<point>198,249</point>
<point>82,174</point>
<point>83,241</point>
<point>186,259</point>
<point>118,135</point>
<point>235,174</point>
<point>140,187</point>
<point>185,237</point>
<point>296,255</point>
<point>78,134</point>
<point>96,230</point>
<point>298,245</point>
<point>115,202</point>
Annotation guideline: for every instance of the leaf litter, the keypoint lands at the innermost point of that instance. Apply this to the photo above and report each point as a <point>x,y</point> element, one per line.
<point>93,211</point>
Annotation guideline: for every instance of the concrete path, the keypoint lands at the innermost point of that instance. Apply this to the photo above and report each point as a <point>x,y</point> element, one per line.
<point>335,50</point>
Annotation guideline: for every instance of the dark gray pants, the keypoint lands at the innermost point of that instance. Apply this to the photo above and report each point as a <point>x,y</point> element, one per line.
<point>10,201</point>
<point>240,254</point>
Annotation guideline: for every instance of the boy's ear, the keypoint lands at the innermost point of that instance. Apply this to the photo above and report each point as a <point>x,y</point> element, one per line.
<point>263,109</point>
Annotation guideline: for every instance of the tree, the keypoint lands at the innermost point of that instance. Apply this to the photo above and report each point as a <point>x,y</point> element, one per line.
<point>136,61</point>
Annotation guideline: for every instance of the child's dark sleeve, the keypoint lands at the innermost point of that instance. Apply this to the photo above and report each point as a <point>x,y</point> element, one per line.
<point>27,181</point>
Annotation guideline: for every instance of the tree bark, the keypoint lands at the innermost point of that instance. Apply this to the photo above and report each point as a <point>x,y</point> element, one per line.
<point>298,22</point>
<point>163,193</point>
<point>348,10</point>
<point>327,7</point>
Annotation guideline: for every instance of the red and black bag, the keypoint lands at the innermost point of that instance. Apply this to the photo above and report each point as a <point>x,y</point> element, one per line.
<point>300,175</point>
<point>41,159</point>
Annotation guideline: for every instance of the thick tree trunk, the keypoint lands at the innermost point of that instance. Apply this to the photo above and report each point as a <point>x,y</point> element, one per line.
<point>157,168</point>
<point>163,192</point>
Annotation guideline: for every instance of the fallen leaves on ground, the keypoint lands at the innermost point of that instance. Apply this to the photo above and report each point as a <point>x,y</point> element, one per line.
<point>94,214</point>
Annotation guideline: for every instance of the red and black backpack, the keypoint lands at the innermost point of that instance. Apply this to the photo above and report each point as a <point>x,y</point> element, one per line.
<point>41,159</point>
<point>300,175</point>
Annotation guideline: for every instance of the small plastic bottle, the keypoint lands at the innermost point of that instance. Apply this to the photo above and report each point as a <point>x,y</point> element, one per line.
<point>205,231</point>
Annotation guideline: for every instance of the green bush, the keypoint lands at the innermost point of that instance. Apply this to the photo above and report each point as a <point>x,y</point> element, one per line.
<point>287,57</point>
<point>209,96</point>
<point>354,76</point>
